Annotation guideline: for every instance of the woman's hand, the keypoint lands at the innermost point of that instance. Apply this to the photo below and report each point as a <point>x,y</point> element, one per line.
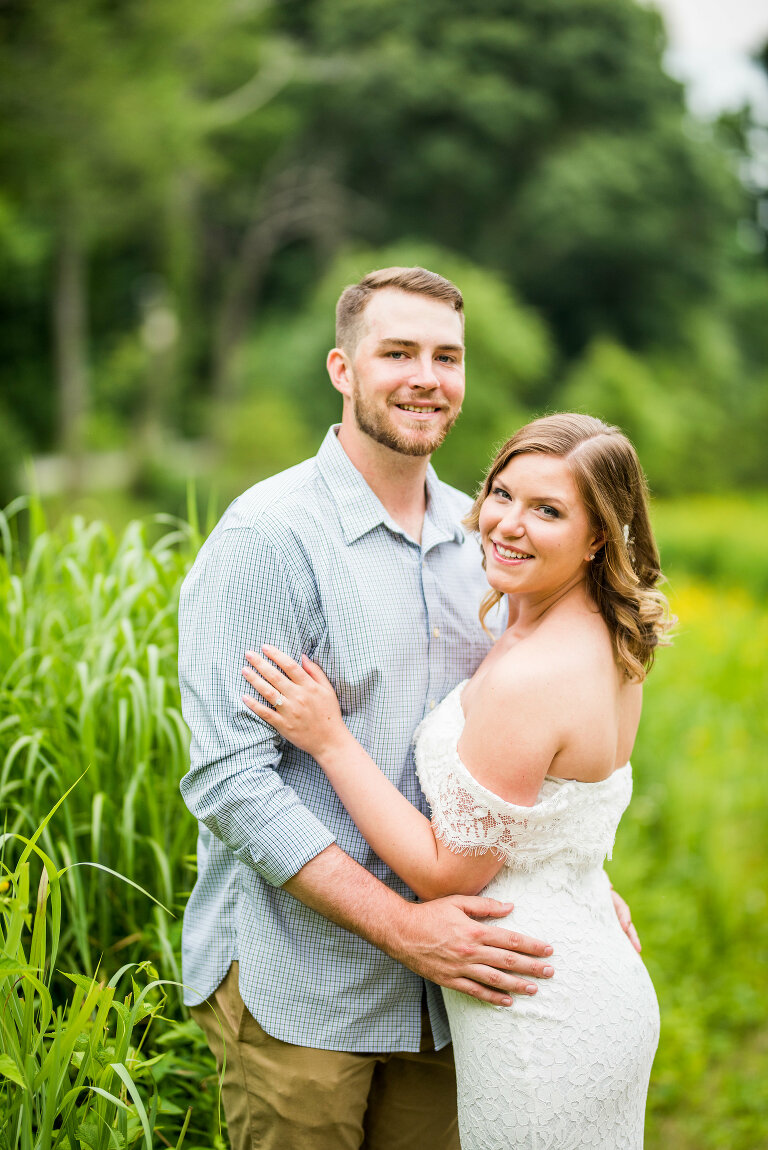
<point>304,708</point>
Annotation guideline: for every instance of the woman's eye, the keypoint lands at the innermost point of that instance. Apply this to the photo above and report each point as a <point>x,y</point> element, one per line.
<point>500,492</point>
<point>550,512</point>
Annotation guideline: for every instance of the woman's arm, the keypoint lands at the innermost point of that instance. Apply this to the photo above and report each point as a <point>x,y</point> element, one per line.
<point>306,712</point>
<point>309,716</point>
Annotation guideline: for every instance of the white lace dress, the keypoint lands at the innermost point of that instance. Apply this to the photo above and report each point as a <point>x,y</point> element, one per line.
<point>569,1066</point>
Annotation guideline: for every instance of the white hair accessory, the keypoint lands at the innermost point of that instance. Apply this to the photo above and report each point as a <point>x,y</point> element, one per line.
<point>626,534</point>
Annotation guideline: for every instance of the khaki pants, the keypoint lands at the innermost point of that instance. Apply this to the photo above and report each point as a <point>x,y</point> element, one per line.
<point>282,1097</point>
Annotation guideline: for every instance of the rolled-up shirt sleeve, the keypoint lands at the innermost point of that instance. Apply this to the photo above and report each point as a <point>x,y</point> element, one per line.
<point>239,594</point>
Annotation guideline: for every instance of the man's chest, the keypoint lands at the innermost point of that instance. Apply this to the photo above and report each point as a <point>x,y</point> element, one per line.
<point>393,623</point>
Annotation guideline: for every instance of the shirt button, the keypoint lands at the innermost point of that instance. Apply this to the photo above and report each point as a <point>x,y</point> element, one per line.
<point>431,704</point>
<point>436,632</point>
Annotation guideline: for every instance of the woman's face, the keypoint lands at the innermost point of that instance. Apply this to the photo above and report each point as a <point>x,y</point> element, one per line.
<point>534,528</point>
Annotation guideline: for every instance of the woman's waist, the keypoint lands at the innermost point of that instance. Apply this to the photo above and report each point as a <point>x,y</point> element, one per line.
<point>552,883</point>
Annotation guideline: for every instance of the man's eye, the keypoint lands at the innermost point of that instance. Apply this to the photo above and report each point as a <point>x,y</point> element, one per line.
<point>396,354</point>
<point>446,358</point>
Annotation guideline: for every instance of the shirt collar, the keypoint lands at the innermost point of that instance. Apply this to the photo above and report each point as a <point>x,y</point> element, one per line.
<point>360,510</point>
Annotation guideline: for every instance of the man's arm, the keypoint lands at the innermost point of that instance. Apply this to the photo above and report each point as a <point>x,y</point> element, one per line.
<point>239,591</point>
<point>441,940</point>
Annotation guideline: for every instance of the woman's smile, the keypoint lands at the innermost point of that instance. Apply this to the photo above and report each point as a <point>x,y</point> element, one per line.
<point>505,554</point>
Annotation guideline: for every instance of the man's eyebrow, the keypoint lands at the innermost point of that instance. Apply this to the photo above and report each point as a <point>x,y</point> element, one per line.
<point>394,341</point>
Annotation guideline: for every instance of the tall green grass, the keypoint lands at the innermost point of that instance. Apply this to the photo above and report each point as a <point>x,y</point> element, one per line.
<point>88,683</point>
<point>88,687</point>
<point>70,1064</point>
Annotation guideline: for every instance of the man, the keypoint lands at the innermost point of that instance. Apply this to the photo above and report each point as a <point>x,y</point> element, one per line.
<point>313,954</point>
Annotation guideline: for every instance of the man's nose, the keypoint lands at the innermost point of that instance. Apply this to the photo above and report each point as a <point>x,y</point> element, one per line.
<point>424,375</point>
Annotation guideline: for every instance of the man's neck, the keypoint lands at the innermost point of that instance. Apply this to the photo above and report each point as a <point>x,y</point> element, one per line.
<point>397,480</point>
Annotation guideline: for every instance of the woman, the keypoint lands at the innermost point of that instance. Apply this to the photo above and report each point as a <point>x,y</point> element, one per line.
<point>526,768</point>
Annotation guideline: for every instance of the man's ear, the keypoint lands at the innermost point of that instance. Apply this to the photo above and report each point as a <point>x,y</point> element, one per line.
<point>340,371</point>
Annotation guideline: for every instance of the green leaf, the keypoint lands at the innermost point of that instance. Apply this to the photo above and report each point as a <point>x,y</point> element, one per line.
<point>10,968</point>
<point>9,1069</point>
<point>130,1086</point>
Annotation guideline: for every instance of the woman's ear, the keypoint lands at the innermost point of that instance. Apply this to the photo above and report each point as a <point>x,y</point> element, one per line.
<point>595,545</point>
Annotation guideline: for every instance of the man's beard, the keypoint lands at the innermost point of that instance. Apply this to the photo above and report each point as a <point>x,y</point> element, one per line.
<point>375,422</point>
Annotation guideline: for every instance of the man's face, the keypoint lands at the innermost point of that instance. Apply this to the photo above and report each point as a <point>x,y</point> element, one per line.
<point>407,371</point>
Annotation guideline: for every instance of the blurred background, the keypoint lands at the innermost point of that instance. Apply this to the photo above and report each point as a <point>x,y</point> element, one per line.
<point>186,188</point>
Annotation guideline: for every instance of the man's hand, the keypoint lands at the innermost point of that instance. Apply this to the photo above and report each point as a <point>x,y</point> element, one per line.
<point>444,942</point>
<point>625,918</point>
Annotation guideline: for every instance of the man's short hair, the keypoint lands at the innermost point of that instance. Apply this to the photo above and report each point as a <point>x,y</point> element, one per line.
<point>419,281</point>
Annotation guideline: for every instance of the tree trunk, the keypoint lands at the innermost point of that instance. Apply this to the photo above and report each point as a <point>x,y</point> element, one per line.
<point>300,203</point>
<point>70,350</point>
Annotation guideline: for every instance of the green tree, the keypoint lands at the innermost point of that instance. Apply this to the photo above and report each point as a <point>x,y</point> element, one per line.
<point>540,139</point>
<point>114,121</point>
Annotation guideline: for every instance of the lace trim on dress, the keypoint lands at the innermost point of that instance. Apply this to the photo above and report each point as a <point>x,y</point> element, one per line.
<point>569,819</point>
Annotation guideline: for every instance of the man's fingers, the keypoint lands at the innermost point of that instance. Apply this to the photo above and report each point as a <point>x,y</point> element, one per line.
<point>512,960</point>
<point>479,907</point>
<point>491,985</point>
<point>511,940</point>
<point>483,993</point>
<point>501,981</point>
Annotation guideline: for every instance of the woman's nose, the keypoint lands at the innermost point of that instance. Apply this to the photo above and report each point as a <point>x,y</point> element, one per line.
<point>510,523</point>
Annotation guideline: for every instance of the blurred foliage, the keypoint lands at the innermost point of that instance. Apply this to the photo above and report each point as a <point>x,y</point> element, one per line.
<point>690,856</point>
<point>540,139</point>
<point>188,187</point>
<point>12,446</point>
<point>722,539</point>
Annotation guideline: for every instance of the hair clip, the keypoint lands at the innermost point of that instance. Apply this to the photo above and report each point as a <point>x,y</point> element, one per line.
<point>626,534</point>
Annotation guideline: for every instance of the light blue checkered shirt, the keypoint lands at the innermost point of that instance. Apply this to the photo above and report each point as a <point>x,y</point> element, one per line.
<point>311,561</point>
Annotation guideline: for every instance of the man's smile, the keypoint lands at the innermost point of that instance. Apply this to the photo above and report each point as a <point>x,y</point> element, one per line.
<point>420,412</point>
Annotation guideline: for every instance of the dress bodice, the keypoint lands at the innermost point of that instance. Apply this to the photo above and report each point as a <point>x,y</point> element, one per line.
<point>571,821</point>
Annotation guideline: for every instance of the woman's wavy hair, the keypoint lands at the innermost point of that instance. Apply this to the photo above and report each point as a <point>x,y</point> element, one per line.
<point>623,575</point>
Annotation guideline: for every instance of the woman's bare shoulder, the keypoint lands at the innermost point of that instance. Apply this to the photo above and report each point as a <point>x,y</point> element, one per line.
<point>561,649</point>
